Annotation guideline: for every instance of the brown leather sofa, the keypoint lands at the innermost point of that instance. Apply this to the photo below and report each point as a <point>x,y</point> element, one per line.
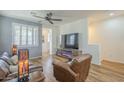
<point>75,71</point>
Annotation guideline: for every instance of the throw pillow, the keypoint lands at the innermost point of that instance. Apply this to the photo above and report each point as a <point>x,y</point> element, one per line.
<point>10,61</point>
<point>14,59</point>
<point>5,54</point>
<point>6,59</point>
<point>70,62</point>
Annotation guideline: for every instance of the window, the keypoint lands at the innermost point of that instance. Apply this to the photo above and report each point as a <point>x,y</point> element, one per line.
<point>25,35</point>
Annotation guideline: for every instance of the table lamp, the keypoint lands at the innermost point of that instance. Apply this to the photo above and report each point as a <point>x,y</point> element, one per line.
<point>14,50</point>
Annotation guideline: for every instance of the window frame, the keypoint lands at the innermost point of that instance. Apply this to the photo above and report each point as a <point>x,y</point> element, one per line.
<point>27,26</point>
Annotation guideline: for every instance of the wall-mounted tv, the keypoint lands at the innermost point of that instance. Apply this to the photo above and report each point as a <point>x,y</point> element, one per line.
<point>70,41</point>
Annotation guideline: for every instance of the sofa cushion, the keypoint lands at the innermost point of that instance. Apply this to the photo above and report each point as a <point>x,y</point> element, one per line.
<point>4,66</point>
<point>13,68</point>
<point>2,74</point>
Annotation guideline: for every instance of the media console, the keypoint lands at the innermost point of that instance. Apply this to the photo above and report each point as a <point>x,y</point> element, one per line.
<point>68,53</point>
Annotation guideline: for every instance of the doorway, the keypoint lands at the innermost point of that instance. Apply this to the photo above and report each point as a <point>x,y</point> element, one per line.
<point>46,41</point>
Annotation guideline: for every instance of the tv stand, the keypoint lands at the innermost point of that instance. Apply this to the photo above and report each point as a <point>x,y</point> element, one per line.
<point>68,53</point>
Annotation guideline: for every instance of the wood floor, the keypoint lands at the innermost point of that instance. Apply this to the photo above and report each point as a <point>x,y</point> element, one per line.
<point>106,72</point>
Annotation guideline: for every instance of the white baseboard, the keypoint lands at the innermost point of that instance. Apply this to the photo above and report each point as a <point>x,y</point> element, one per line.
<point>35,57</point>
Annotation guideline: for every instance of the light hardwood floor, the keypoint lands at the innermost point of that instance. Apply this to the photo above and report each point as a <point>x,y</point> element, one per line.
<point>106,72</point>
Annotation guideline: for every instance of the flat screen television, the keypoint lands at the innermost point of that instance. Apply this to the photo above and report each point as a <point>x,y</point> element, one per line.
<point>70,41</point>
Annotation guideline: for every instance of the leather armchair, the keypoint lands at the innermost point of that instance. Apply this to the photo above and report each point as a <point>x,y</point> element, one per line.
<point>74,72</point>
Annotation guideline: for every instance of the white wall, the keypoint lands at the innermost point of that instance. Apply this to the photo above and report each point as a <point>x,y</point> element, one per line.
<point>95,50</point>
<point>110,35</point>
<point>81,26</point>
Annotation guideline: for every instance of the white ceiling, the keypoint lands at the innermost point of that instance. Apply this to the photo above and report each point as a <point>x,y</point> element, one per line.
<point>66,15</point>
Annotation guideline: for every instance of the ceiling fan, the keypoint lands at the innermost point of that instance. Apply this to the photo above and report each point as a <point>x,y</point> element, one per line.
<point>48,17</point>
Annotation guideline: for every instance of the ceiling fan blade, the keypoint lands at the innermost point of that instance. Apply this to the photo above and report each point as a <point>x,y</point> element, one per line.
<point>38,16</point>
<point>50,21</point>
<point>56,19</point>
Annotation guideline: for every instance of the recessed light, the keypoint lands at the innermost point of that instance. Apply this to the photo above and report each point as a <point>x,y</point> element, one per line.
<point>111,14</point>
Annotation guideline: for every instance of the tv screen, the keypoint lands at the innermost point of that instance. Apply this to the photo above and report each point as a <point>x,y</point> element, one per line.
<point>71,41</point>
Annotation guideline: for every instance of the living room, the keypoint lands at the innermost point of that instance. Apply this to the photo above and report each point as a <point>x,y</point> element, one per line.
<point>94,38</point>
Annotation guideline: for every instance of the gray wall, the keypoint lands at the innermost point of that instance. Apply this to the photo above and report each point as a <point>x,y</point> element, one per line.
<point>6,35</point>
